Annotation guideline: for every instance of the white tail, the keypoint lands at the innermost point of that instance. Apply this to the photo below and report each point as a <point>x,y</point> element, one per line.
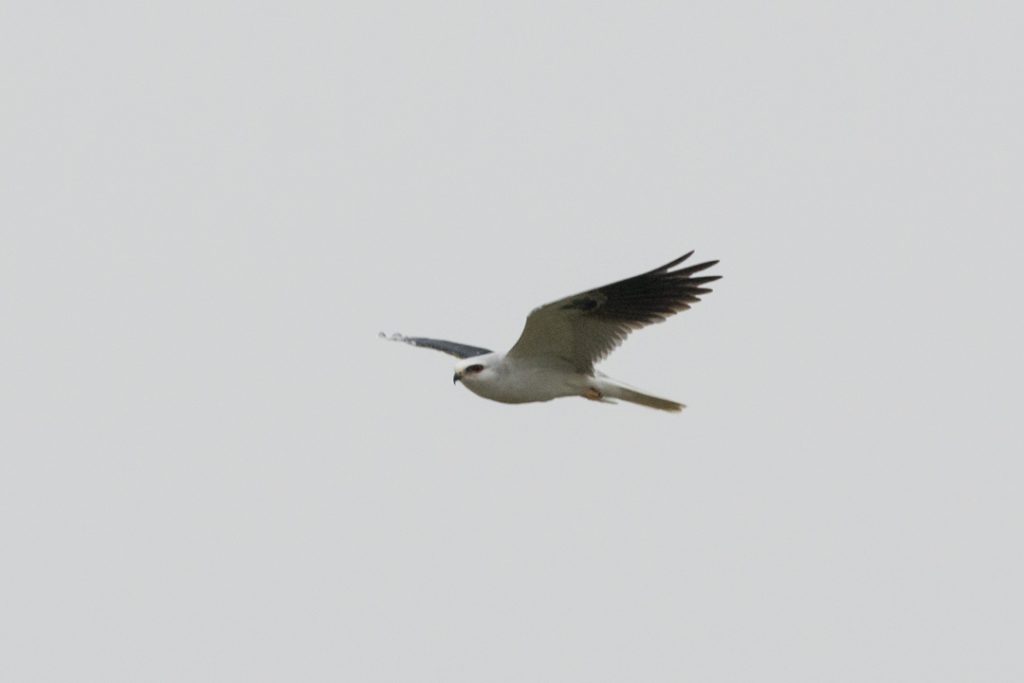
<point>613,389</point>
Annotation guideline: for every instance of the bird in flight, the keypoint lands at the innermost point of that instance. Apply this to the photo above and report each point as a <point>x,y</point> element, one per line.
<point>562,340</point>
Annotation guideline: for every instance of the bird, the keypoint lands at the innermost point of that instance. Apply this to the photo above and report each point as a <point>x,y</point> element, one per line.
<point>562,341</point>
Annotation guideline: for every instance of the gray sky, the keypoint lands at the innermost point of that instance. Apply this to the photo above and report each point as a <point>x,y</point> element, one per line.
<point>213,470</point>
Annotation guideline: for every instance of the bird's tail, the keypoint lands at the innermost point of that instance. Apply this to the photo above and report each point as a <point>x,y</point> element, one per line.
<point>614,389</point>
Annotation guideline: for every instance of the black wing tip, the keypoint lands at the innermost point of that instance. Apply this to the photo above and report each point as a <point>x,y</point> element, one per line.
<point>672,264</point>
<point>652,296</point>
<point>695,268</point>
<point>667,268</point>
<point>682,258</point>
<point>703,279</point>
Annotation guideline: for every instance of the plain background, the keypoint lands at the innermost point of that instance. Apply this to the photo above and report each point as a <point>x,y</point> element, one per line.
<point>213,470</point>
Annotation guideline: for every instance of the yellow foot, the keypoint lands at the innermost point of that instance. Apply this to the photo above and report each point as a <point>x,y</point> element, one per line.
<point>593,394</point>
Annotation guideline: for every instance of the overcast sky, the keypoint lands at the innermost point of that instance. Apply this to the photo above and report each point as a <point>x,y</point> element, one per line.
<point>213,470</point>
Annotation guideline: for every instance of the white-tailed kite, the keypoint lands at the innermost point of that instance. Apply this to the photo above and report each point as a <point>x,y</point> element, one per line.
<point>556,353</point>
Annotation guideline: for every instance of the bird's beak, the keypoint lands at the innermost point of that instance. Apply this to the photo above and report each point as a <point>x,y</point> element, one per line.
<point>456,378</point>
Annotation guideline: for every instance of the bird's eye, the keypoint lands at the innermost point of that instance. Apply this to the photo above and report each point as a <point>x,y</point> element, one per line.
<point>474,368</point>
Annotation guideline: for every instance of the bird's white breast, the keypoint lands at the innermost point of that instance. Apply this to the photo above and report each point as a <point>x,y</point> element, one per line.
<point>527,380</point>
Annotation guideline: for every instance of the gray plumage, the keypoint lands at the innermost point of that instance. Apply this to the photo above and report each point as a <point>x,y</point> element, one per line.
<point>451,348</point>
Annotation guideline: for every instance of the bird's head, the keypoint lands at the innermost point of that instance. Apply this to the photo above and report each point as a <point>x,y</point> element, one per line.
<point>471,370</point>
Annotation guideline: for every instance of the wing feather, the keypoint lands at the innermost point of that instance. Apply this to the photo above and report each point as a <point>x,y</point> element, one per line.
<point>451,348</point>
<point>584,328</point>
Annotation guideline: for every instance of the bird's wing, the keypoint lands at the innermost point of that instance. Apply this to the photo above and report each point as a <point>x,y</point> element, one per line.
<point>451,348</point>
<point>586,327</point>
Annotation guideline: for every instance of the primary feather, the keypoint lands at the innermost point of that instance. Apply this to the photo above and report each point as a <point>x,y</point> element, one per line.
<point>584,328</point>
